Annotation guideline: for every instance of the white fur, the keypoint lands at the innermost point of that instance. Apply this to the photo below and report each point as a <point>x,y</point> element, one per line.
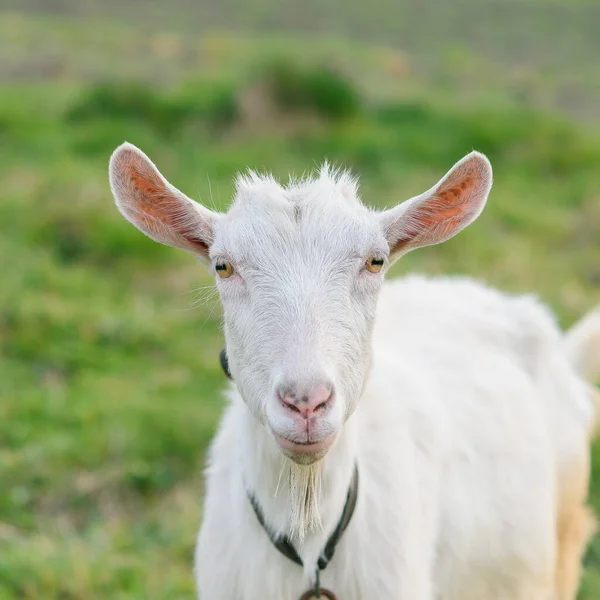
<point>583,342</point>
<point>459,404</point>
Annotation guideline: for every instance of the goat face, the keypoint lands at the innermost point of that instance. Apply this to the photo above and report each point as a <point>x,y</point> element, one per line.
<point>302,273</point>
<point>298,269</point>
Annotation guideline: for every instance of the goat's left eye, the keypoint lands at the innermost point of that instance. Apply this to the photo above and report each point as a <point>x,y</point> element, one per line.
<point>374,264</point>
<point>224,270</point>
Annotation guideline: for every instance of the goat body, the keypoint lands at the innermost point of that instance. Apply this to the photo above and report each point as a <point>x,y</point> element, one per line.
<point>472,442</point>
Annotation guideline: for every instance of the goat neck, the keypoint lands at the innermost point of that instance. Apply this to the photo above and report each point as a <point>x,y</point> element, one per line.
<point>303,502</point>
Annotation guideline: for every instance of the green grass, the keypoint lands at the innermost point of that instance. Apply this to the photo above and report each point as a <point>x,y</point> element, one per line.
<point>109,373</point>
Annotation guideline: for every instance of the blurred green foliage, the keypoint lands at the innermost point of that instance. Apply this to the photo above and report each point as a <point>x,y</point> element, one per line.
<point>109,374</point>
<point>316,89</point>
<point>165,113</point>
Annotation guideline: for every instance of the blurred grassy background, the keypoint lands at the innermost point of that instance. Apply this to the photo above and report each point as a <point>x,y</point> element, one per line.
<point>109,375</point>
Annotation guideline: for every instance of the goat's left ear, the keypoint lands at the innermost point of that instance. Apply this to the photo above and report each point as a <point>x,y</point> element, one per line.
<point>438,214</point>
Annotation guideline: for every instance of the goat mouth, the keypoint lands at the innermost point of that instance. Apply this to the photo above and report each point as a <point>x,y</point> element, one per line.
<point>303,447</point>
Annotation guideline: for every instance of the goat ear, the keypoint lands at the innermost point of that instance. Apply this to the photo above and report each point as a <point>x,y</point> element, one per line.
<point>146,199</point>
<point>441,212</point>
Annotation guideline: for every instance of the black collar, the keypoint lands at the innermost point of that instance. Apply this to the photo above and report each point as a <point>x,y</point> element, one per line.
<point>285,546</point>
<point>225,362</point>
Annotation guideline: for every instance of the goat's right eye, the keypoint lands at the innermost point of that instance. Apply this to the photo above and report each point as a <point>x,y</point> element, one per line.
<point>374,264</point>
<point>224,270</point>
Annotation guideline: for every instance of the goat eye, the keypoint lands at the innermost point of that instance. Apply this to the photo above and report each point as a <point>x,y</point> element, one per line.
<point>374,264</point>
<point>224,270</point>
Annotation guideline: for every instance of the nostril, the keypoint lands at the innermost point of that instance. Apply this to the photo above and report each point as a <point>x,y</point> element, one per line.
<point>289,404</point>
<point>324,400</point>
<point>322,405</point>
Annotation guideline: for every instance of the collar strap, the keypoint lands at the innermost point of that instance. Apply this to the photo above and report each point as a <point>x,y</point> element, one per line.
<point>285,546</point>
<point>225,362</point>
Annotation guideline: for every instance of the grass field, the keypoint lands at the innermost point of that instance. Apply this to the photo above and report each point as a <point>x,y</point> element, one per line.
<point>109,374</point>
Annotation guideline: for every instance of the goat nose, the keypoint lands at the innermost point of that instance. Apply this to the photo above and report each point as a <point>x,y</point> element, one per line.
<point>306,401</point>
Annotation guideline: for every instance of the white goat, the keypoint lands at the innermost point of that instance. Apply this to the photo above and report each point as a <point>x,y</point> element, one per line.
<point>459,407</point>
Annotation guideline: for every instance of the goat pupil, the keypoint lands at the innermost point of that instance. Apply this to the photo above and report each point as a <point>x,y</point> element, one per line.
<point>222,267</point>
<point>377,262</point>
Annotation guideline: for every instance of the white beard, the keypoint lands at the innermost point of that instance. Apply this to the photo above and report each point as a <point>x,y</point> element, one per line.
<point>304,494</point>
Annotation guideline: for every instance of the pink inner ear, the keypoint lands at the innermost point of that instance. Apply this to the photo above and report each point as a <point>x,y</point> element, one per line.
<point>155,200</point>
<point>452,202</point>
<point>435,218</point>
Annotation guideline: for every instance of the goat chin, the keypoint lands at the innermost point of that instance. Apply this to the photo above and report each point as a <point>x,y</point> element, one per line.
<point>304,485</point>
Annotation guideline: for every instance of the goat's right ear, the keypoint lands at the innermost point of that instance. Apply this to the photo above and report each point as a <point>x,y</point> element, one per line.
<point>146,199</point>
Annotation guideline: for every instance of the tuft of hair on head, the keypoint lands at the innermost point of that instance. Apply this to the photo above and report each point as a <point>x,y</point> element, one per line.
<point>250,179</point>
<point>341,178</point>
<point>251,183</point>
